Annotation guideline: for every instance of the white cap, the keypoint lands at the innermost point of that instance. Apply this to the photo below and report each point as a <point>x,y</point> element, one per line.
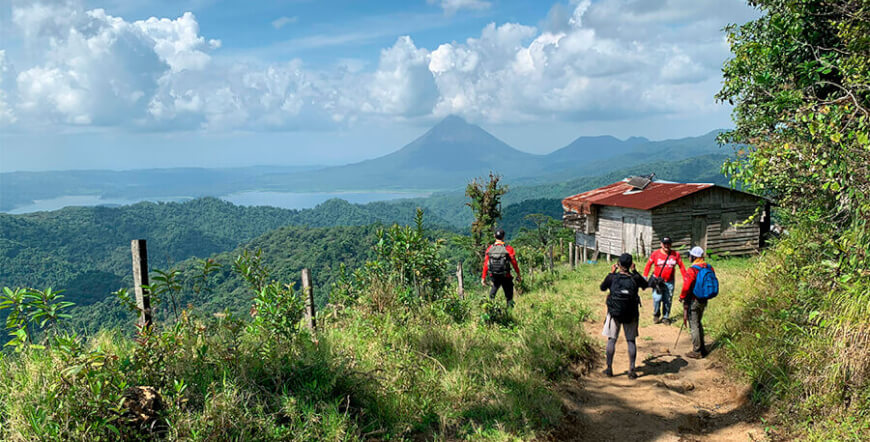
<point>697,252</point>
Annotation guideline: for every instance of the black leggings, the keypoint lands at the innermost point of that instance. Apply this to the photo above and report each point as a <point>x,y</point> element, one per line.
<point>632,353</point>
<point>506,283</point>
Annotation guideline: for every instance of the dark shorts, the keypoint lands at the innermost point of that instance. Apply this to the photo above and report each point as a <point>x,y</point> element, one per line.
<point>611,329</point>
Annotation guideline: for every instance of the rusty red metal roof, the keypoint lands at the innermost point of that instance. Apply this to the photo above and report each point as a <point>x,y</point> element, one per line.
<point>622,194</point>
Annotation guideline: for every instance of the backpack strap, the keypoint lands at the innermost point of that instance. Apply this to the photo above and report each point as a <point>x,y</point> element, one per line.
<point>662,270</point>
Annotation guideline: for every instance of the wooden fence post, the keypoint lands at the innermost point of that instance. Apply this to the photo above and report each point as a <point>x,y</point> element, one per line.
<point>140,279</point>
<point>551,257</point>
<point>561,247</point>
<point>571,255</point>
<point>585,251</point>
<point>459,279</point>
<point>308,292</point>
<point>577,254</point>
<point>608,251</point>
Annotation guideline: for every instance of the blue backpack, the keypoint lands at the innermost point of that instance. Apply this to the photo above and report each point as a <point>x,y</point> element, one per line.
<point>706,283</point>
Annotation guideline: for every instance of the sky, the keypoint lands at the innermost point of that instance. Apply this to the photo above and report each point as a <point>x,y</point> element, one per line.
<point>128,84</point>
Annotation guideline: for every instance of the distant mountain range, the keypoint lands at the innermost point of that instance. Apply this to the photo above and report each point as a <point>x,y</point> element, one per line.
<point>453,152</point>
<point>444,158</point>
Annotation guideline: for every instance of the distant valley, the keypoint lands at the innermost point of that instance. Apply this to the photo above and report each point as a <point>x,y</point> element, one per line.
<point>445,158</point>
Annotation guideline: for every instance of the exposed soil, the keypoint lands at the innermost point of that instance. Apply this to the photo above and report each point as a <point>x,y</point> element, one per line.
<point>675,398</point>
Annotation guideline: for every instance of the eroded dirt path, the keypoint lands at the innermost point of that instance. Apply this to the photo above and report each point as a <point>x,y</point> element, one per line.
<point>674,398</point>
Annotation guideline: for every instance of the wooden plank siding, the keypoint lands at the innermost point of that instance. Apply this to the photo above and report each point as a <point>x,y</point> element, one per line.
<point>611,230</point>
<point>574,221</point>
<point>720,206</point>
<point>716,215</point>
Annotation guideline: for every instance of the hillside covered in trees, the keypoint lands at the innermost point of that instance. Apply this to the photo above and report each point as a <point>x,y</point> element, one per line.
<point>399,354</point>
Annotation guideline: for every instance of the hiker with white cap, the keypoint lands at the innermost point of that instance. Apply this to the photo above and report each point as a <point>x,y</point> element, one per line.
<point>699,285</point>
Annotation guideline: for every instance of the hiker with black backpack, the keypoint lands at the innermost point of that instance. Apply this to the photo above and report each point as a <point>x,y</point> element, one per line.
<point>497,264</point>
<point>623,301</point>
<point>699,285</point>
<point>663,263</point>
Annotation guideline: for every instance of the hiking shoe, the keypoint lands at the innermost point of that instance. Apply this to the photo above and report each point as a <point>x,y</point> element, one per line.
<point>694,355</point>
<point>667,321</point>
<point>657,320</point>
<point>632,375</point>
<point>608,372</point>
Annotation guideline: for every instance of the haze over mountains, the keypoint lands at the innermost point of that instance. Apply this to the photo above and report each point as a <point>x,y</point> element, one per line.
<point>454,151</point>
<point>444,158</point>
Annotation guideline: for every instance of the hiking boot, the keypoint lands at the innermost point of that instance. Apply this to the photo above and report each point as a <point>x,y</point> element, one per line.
<point>608,372</point>
<point>657,320</point>
<point>694,355</point>
<point>632,374</point>
<point>667,321</point>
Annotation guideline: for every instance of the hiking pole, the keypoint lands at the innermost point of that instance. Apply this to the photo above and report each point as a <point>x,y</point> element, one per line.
<point>678,334</point>
<point>681,328</point>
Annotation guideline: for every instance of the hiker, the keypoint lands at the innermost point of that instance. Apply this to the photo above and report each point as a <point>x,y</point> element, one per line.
<point>623,281</point>
<point>495,265</point>
<point>663,263</point>
<point>699,285</point>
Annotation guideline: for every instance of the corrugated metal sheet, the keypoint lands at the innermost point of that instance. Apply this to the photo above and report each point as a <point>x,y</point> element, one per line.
<point>623,194</point>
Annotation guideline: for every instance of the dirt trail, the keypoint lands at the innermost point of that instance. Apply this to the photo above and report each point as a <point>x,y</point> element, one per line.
<point>674,398</point>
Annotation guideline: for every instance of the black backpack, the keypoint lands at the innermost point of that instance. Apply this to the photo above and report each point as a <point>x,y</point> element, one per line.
<point>623,299</point>
<point>498,260</point>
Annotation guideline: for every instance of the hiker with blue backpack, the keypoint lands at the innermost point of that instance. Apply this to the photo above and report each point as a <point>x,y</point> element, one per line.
<point>699,285</point>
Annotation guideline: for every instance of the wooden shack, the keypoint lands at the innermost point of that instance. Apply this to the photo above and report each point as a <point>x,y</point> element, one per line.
<point>632,216</point>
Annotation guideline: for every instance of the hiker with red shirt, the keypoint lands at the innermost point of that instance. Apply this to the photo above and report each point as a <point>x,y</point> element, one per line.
<point>663,263</point>
<point>693,308</point>
<point>495,265</point>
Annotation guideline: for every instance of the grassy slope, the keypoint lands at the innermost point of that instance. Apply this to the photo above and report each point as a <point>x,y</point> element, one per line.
<point>804,356</point>
<point>403,373</point>
<point>394,374</point>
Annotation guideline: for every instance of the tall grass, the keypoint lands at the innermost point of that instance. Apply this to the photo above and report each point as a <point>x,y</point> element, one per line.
<point>434,370</point>
<point>802,345</point>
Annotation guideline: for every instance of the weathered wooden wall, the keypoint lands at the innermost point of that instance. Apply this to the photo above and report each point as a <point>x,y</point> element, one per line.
<point>574,221</point>
<point>712,218</point>
<point>722,210</point>
<point>617,233</point>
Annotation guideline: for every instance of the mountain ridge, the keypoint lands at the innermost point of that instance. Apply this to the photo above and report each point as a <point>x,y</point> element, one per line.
<point>445,157</point>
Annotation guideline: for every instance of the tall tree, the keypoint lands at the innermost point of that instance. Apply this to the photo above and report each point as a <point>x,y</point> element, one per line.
<point>799,80</point>
<point>486,205</point>
<point>800,83</point>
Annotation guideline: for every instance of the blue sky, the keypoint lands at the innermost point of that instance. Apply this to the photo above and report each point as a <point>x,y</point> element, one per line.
<point>126,84</point>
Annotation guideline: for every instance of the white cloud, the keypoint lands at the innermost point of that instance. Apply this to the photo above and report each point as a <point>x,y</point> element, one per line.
<point>403,84</point>
<point>577,68</point>
<point>7,114</point>
<point>280,22</point>
<point>450,7</point>
<point>611,59</point>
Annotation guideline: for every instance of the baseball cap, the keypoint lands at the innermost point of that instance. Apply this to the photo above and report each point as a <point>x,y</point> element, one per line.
<point>499,233</point>
<point>667,240</point>
<point>697,252</point>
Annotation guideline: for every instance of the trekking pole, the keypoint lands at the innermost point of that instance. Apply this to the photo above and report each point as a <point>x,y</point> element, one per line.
<point>678,334</point>
<point>685,314</point>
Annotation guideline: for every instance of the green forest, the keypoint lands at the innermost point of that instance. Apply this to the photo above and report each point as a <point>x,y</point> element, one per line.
<point>398,349</point>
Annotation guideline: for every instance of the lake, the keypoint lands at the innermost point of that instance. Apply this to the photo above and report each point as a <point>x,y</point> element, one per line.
<point>284,200</point>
